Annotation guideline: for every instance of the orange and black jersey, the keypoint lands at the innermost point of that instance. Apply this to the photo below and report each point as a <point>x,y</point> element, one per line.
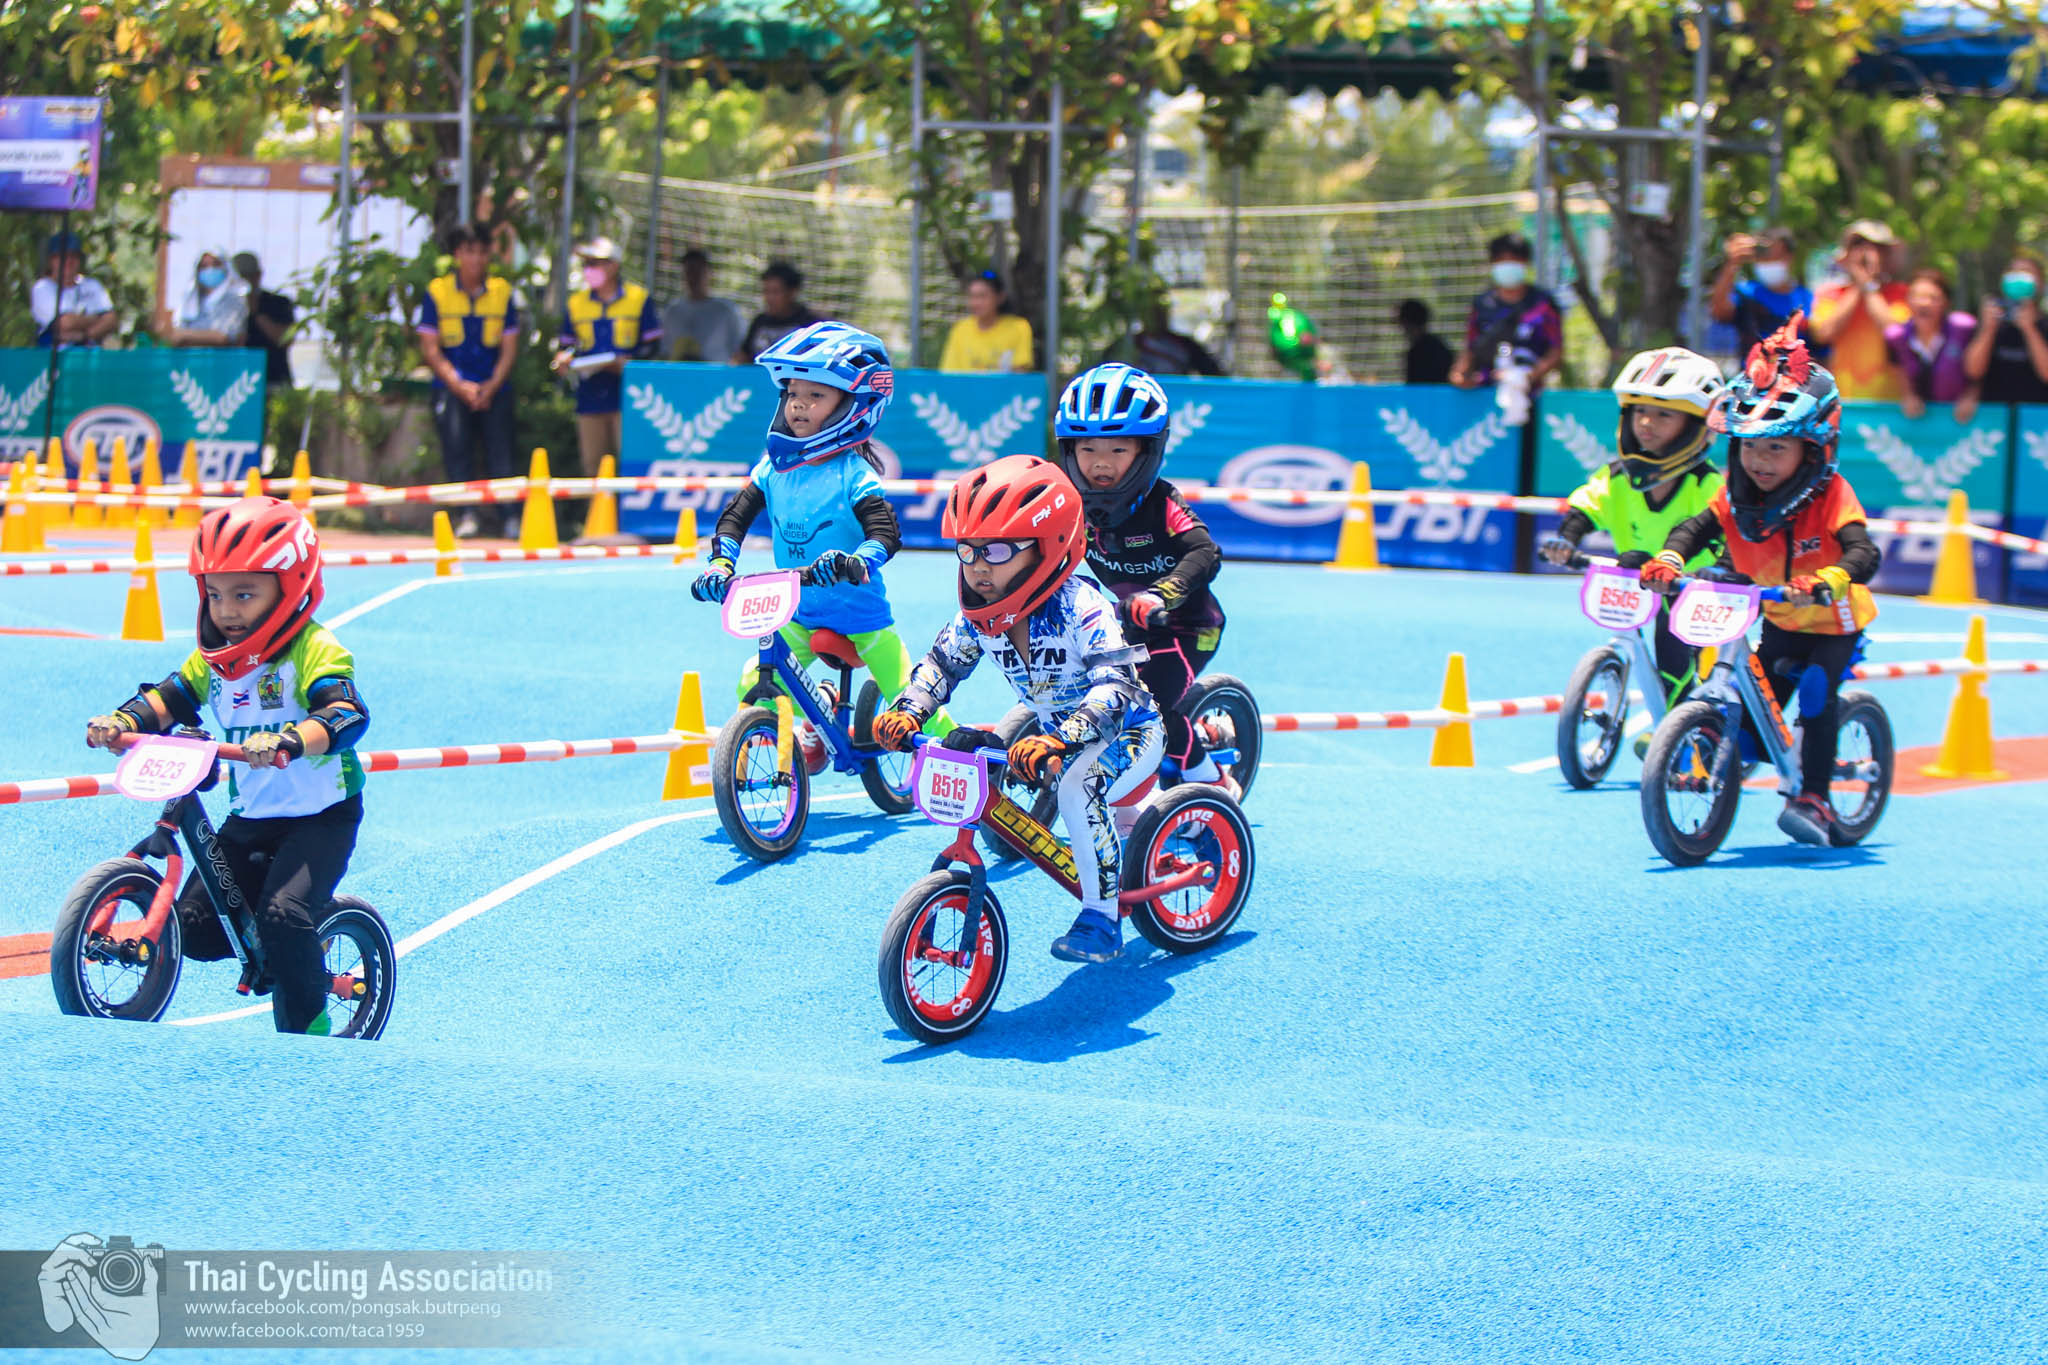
<point>1163,548</point>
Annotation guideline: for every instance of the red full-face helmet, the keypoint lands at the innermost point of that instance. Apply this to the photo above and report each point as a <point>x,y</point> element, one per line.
<point>257,535</point>
<point>1019,497</point>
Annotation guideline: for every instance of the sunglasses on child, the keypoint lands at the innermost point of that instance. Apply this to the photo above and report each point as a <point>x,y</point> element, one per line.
<point>995,552</point>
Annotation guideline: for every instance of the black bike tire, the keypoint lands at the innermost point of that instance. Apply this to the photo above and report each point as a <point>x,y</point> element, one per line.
<point>160,978</point>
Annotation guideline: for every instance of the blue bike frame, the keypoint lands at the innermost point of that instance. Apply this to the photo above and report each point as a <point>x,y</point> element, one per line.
<point>834,726</point>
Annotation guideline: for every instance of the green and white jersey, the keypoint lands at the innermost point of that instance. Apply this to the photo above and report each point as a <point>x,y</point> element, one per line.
<point>269,699</point>
<point>1617,507</point>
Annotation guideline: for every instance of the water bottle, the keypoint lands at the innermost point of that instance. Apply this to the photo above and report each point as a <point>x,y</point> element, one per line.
<point>1511,386</point>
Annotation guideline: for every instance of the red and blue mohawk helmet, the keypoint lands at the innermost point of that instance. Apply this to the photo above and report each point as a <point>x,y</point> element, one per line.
<point>1781,392</point>
<point>838,357</point>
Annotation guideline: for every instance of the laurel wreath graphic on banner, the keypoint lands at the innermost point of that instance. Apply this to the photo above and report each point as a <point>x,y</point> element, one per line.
<point>1185,422</point>
<point>682,435</point>
<point>210,416</point>
<point>1586,448</point>
<point>967,445</point>
<point>1922,480</point>
<point>1440,463</point>
<point>16,412</point>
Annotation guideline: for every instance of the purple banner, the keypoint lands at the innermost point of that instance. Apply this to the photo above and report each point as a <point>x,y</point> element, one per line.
<point>50,153</point>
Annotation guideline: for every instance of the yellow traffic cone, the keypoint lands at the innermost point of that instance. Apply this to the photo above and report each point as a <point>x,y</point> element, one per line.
<point>686,535</point>
<point>603,519</point>
<point>689,767</point>
<point>1966,747</point>
<point>85,512</point>
<point>188,473</point>
<point>1955,568</point>
<point>15,537</point>
<point>143,617</point>
<point>119,482</point>
<point>445,564</point>
<point>39,513</point>
<point>1452,746</point>
<point>53,471</point>
<point>152,482</point>
<point>1358,543</point>
<point>537,520</point>
<point>302,478</point>
<point>252,483</point>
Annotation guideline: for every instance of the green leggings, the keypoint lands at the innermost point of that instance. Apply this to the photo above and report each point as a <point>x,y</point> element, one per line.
<point>881,653</point>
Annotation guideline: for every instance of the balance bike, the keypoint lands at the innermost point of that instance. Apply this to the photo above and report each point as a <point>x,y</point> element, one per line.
<point>758,778</point>
<point>1594,717</point>
<point>117,952</point>
<point>1692,775</point>
<point>1187,868</point>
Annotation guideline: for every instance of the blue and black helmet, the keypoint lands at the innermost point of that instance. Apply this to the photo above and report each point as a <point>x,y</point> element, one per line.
<point>1113,401</point>
<point>1782,391</point>
<point>838,357</point>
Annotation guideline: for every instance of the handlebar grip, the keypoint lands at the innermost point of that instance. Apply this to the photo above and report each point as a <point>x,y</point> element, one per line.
<point>231,752</point>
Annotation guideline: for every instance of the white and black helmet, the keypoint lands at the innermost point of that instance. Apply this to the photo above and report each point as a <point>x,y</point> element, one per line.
<point>1678,380</point>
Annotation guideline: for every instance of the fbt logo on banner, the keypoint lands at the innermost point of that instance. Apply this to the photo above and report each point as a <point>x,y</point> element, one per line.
<point>214,400</point>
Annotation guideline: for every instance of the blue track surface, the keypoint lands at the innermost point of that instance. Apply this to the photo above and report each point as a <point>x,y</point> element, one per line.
<point>1477,1078</point>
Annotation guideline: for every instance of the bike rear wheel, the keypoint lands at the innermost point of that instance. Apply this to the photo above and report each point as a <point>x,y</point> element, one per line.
<point>1589,735</point>
<point>362,969</point>
<point>937,984</point>
<point>107,972</point>
<point>1688,797</point>
<point>887,778</point>
<point>1177,830</point>
<point>1864,759</point>
<point>1226,716</point>
<point>763,810</point>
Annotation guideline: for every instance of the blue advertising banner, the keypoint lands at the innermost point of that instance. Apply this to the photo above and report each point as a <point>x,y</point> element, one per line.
<point>2030,505</point>
<point>212,398</point>
<point>697,420</point>
<point>50,153</point>
<point>1901,467</point>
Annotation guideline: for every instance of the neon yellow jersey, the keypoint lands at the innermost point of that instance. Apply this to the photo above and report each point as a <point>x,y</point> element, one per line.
<point>1617,507</point>
<point>269,699</point>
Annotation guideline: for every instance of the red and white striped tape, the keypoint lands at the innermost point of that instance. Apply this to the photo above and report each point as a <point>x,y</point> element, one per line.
<point>368,559</point>
<point>396,760</point>
<point>1431,718</point>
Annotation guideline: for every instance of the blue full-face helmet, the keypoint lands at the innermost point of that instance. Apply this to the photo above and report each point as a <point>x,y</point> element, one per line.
<point>839,357</point>
<point>1114,402</point>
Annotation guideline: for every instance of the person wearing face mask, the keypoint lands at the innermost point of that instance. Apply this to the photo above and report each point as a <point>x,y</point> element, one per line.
<point>608,322</point>
<point>215,311</point>
<point>1851,316</point>
<point>1514,313</point>
<point>1758,306</point>
<point>2009,353</point>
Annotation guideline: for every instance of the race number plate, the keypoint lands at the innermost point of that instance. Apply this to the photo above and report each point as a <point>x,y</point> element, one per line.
<point>761,604</point>
<point>1612,598</point>
<point>1713,613</point>
<point>163,766</point>
<point>950,788</point>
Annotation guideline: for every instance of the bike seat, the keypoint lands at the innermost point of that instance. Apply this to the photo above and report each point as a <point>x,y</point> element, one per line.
<point>835,648</point>
<point>1138,793</point>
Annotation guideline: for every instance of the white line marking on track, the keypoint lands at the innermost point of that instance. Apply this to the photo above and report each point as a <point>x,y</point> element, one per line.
<point>388,595</point>
<point>1637,723</point>
<point>491,900</point>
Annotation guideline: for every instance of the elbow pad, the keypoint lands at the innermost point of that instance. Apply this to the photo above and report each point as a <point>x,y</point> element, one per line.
<point>176,697</point>
<point>345,724</point>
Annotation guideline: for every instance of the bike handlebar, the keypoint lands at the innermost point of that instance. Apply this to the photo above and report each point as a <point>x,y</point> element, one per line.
<point>231,752</point>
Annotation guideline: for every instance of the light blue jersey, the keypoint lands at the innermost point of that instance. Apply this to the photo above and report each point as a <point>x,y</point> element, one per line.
<point>810,511</point>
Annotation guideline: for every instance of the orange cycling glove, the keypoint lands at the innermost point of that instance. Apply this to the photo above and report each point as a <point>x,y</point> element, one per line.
<point>893,729</point>
<point>1030,754</point>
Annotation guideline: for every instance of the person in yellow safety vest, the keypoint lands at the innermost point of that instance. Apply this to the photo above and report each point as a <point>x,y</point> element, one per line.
<point>469,337</point>
<point>608,322</point>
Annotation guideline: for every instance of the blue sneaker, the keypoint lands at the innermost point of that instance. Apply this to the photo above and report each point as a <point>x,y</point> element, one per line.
<point>1095,937</point>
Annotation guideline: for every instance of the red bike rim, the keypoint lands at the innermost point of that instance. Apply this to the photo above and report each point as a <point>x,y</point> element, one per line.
<point>1198,832</point>
<point>935,983</point>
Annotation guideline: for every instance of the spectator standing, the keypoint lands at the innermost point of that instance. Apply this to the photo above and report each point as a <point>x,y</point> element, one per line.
<point>782,311</point>
<point>271,316</point>
<point>215,311</point>
<point>2009,353</point>
<point>1157,349</point>
<point>1928,348</point>
<point>608,321</point>
<point>1850,316</point>
<point>1428,359</point>
<point>1758,306</point>
<point>469,337</point>
<point>1514,321</point>
<point>697,326</point>
<point>988,339</point>
<point>71,309</point>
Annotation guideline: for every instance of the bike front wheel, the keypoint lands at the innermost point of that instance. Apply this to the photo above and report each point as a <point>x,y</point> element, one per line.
<point>941,967</point>
<point>763,809</point>
<point>1689,791</point>
<point>887,778</point>
<point>1191,827</point>
<point>362,969</point>
<point>100,964</point>
<point>1589,731</point>
<point>1225,715</point>
<point>1863,766</point>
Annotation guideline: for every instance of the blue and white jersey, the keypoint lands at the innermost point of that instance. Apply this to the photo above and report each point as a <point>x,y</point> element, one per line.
<point>810,511</point>
<point>1079,676</point>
